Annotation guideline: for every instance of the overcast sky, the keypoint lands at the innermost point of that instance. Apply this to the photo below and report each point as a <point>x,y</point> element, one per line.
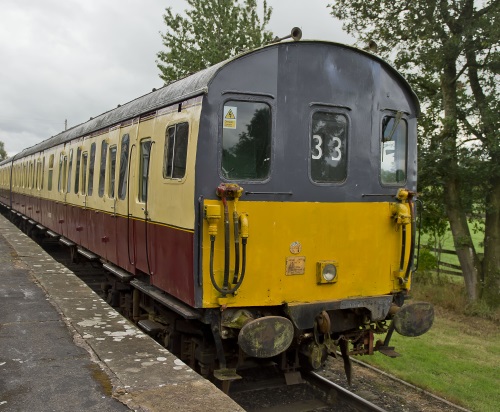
<point>75,59</point>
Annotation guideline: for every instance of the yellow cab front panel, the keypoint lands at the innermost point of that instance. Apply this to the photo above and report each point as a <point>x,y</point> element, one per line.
<point>289,242</point>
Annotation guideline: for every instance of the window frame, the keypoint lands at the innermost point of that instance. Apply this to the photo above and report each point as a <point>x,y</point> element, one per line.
<point>250,98</point>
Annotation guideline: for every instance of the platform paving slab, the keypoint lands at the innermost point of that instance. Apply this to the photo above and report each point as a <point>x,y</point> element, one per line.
<point>67,334</point>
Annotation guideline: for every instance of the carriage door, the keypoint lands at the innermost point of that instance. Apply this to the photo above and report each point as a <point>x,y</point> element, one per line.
<point>142,229</point>
<point>122,207</point>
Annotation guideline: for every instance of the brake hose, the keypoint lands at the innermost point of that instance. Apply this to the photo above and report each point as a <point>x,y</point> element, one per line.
<point>225,291</point>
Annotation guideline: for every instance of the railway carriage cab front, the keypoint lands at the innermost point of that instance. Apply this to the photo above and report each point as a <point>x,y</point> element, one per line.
<point>305,178</point>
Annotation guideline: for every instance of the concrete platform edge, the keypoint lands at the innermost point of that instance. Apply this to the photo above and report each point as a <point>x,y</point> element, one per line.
<point>144,375</point>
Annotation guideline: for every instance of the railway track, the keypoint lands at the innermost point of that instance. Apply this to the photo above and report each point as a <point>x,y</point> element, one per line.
<point>264,390</point>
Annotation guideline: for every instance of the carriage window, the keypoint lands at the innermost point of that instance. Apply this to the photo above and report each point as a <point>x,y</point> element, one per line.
<point>68,188</point>
<point>51,172</point>
<point>112,171</point>
<point>393,150</point>
<point>43,173</point>
<point>63,163</point>
<point>122,180</point>
<point>84,171</point>
<point>144,170</point>
<point>77,169</point>
<point>102,171</point>
<point>90,189</point>
<point>38,174</point>
<point>33,174</point>
<point>328,147</point>
<point>176,142</point>
<point>246,140</point>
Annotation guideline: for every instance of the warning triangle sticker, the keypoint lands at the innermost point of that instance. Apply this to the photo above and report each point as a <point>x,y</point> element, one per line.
<point>230,115</point>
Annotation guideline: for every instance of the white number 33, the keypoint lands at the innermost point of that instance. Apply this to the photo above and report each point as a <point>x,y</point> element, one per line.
<point>337,154</point>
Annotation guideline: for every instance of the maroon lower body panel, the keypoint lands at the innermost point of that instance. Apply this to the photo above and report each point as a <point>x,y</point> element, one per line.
<point>163,252</point>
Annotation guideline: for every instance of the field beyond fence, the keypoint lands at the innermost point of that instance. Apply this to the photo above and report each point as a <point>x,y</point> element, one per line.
<point>443,264</point>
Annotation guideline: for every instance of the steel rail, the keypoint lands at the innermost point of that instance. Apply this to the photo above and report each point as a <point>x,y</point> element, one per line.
<point>360,404</point>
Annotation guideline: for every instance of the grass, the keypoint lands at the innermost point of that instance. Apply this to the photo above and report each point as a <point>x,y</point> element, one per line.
<point>455,361</point>
<point>459,358</point>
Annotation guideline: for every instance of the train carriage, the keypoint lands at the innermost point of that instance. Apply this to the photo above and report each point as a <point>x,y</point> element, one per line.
<point>265,201</point>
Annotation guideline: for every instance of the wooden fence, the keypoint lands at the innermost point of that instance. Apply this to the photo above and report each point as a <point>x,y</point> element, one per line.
<point>444,267</point>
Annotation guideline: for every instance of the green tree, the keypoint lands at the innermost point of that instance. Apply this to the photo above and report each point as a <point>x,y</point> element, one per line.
<point>3,153</point>
<point>450,51</point>
<point>212,31</point>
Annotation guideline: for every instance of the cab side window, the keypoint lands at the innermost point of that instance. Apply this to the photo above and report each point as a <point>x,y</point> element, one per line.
<point>246,140</point>
<point>393,148</point>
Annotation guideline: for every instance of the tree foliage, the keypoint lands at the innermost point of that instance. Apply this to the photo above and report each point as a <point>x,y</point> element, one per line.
<point>450,52</point>
<point>3,153</point>
<point>210,32</point>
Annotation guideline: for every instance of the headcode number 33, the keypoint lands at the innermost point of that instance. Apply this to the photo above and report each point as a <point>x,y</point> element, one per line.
<point>337,154</point>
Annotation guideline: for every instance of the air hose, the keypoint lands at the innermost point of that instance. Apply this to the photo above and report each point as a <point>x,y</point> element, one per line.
<point>225,191</point>
<point>225,291</point>
<point>412,243</point>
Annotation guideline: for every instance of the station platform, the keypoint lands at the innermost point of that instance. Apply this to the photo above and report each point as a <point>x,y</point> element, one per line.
<point>64,349</point>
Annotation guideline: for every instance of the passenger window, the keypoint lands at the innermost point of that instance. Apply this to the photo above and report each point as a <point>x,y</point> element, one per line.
<point>246,140</point>
<point>102,171</point>
<point>144,170</point>
<point>176,144</point>
<point>393,150</point>
<point>38,174</point>
<point>68,188</point>
<point>43,173</point>
<point>328,147</point>
<point>122,180</point>
<point>51,172</point>
<point>77,169</point>
<point>84,171</point>
<point>63,164</point>
<point>112,171</point>
<point>90,189</point>
<point>32,174</point>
